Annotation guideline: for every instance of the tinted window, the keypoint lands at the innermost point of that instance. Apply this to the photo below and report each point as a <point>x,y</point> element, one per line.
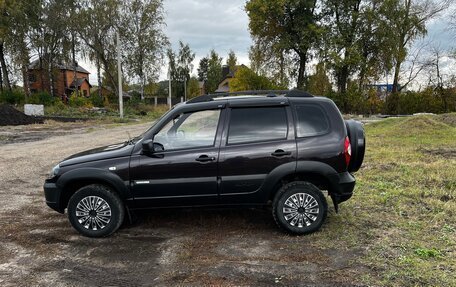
<point>311,121</point>
<point>257,124</point>
<point>189,130</point>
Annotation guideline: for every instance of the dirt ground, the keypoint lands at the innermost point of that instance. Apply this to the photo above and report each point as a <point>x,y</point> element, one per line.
<point>163,248</point>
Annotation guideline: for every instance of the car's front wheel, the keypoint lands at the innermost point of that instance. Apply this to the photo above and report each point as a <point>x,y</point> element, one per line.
<point>299,207</point>
<point>95,211</point>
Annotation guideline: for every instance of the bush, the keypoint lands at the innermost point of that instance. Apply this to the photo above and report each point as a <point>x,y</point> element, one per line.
<point>41,98</point>
<point>96,100</point>
<point>427,101</point>
<point>79,101</point>
<point>12,97</point>
<point>58,108</point>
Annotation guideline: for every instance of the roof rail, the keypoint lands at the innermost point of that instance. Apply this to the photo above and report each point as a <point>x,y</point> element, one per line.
<point>268,93</point>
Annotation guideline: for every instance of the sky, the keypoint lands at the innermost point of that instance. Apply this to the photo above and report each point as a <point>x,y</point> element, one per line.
<point>215,24</point>
<point>223,25</point>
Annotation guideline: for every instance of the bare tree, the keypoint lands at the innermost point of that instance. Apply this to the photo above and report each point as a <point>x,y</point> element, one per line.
<point>416,62</point>
<point>408,20</point>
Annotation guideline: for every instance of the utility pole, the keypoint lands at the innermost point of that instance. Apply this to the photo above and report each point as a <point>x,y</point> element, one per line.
<point>169,88</point>
<point>119,73</point>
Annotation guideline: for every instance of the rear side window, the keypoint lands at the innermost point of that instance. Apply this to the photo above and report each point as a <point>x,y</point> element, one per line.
<point>312,121</point>
<point>257,124</point>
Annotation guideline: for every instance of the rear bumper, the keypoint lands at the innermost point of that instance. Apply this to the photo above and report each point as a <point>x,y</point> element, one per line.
<point>52,195</point>
<point>341,187</point>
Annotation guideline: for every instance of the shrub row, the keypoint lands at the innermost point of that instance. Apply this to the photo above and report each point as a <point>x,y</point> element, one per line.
<point>353,101</point>
<point>428,101</point>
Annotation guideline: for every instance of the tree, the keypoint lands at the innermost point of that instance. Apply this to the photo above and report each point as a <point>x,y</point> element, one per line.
<point>4,70</point>
<point>202,69</point>
<point>6,22</point>
<point>343,33</point>
<point>245,80</point>
<point>99,20</point>
<point>49,38</point>
<point>319,83</point>
<point>270,63</point>
<point>374,44</point>
<point>214,71</point>
<point>173,71</point>
<point>407,22</point>
<point>184,61</point>
<point>287,26</point>
<point>144,40</point>
<point>193,88</point>
<point>18,19</point>
<point>231,61</point>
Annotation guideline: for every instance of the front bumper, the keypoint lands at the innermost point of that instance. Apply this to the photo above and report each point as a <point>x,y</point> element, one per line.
<point>341,186</point>
<point>52,195</point>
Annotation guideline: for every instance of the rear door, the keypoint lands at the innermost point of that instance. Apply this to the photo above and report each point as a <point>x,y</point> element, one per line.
<point>256,140</point>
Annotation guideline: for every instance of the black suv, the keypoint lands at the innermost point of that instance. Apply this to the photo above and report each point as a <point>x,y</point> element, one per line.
<point>237,149</point>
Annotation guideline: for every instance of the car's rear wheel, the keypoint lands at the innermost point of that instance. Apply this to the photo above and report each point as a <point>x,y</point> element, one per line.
<point>299,207</point>
<point>95,211</point>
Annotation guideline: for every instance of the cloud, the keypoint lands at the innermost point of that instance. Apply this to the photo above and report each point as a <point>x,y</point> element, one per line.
<point>221,25</point>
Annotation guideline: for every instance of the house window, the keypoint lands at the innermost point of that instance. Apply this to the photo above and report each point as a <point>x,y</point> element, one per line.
<point>85,93</point>
<point>32,78</point>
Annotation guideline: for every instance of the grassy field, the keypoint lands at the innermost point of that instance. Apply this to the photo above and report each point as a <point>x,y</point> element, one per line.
<point>403,215</point>
<point>398,229</point>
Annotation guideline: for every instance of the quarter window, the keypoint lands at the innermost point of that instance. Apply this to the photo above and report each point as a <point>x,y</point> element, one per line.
<point>311,121</point>
<point>189,130</point>
<point>257,124</point>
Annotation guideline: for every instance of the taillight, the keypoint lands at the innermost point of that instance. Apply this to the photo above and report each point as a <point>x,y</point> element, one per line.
<point>347,150</point>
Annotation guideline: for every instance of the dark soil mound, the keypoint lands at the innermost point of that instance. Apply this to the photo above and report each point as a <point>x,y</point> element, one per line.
<point>9,116</point>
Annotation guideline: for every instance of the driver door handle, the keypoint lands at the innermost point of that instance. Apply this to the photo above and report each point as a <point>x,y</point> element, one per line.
<point>205,158</point>
<point>280,152</point>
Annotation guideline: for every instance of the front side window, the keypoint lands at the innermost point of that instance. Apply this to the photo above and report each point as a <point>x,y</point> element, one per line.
<point>257,124</point>
<point>311,121</point>
<point>189,130</point>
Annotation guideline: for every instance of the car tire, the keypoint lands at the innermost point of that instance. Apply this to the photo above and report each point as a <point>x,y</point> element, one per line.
<point>299,208</point>
<point>95,211</point>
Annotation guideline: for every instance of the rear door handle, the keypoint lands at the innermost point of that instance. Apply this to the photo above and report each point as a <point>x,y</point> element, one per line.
<point>205,158</point>
<point>280,152</point>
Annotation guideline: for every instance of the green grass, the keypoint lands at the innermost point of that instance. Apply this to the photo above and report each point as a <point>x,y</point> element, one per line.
<point>403,213</point>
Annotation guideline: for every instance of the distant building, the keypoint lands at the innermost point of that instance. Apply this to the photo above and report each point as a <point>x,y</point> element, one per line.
<point>108,92</point>
<point>383,90</point>
<point>227,76</point>
<point>64,82</point>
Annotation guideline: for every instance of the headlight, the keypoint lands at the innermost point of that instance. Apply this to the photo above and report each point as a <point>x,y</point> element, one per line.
<point>55,170</point>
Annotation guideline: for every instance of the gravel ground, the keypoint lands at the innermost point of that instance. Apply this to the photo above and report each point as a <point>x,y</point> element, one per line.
<point>186,247</point>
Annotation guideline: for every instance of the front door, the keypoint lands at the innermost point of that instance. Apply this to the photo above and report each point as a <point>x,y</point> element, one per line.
<point>185,172</point>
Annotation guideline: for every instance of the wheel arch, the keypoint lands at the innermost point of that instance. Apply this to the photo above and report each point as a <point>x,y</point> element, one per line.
<point>73,180</point>
<point>315,172</point>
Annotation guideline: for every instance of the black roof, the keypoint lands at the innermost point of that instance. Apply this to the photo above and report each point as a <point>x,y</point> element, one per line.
<point>249,94</point>
<point>36,65</point>
<point>79,82</point>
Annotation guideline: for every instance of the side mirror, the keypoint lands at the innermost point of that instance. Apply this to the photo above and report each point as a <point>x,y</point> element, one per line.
<point>149,147</point>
